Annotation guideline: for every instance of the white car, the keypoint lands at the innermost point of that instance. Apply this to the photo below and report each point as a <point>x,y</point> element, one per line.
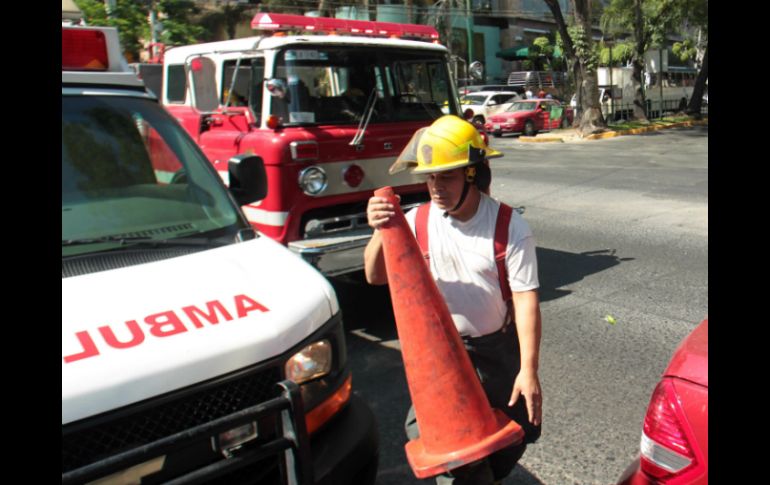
<point>486,103</point>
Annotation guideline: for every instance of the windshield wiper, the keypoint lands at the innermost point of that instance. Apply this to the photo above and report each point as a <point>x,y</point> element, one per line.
<point>141,240</point>
<point>367,115</point>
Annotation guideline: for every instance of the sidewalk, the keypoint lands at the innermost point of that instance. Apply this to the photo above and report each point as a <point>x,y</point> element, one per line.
<point>569,135</point>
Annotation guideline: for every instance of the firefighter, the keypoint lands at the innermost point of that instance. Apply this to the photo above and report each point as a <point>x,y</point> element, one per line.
<point>501,335</point>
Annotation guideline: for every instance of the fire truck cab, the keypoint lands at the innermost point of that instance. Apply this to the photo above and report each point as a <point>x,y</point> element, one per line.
<point>328,111</point>
<point>194,349</point>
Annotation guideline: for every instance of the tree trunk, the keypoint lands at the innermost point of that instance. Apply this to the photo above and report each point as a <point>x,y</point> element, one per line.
<point>409,11</point>
<point>573,63</point>
<point>640,105</point>
<point>592,120</point>
<point>693,109</point>
<point>321,8</point>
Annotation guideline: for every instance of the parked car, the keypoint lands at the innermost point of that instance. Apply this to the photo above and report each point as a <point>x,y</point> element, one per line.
<point>486,103</point>
<point>674,448</point>
<point>529,117</point>
<point>492,87</point>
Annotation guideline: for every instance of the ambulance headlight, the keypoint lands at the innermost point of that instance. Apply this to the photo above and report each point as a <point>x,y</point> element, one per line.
<point>310,363</point>
<point>313,180</point>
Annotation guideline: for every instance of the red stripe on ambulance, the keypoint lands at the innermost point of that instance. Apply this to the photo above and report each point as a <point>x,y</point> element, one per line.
<point>163,324</point>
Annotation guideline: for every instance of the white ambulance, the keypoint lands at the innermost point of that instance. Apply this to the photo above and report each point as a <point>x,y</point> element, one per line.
<point>194,349</point>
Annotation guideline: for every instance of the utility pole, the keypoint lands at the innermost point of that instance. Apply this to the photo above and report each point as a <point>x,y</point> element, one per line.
<point>469,27</point>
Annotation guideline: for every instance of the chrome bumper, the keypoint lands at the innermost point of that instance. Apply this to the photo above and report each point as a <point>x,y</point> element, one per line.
<point>336,255</point>
<point>338,251</point>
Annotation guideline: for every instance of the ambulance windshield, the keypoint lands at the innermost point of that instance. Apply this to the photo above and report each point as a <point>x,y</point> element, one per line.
<point>333,85</point>
<point>129,172</point>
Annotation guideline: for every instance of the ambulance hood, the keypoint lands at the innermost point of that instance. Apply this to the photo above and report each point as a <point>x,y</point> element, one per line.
<point>137,332</point>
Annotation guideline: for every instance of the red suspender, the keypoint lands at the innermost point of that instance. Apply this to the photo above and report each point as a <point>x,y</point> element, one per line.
<point>501,244</point>
<point>421,229</point>
<point>500,241</point>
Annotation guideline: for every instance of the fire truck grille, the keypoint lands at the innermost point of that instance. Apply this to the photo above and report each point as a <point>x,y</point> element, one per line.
<point>107,435</point>
<point>333,221</point>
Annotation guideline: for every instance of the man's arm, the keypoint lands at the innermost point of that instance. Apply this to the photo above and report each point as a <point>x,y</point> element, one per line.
<point>374,261</point>
<point>526,306</point>
<point>378,212</point>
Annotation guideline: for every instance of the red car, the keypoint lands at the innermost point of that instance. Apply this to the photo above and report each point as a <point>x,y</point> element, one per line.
<point>530,116</point>
<point>675,446</point>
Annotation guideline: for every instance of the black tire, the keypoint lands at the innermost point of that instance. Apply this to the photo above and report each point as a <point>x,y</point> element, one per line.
<point>529,128</point>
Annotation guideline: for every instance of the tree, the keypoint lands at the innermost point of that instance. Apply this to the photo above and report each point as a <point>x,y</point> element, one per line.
<point>228,16</point>
<point>131,19</point>
<point>582,62</point>
<point>650,21</point>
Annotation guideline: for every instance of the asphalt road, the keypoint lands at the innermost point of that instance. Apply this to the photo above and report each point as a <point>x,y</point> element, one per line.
<point>621,228</point>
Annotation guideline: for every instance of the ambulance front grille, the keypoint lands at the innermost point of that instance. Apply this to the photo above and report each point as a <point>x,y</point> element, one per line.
<point>93,263</point>
<point>102,436</point>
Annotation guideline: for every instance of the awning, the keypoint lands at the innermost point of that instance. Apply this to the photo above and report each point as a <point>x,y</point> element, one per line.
<point>520,52</point>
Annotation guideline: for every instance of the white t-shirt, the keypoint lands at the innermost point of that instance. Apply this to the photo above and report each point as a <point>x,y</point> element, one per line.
<point>462,263</point>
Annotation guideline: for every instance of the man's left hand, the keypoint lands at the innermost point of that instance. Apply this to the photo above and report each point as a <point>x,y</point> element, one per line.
<point>527,385</point>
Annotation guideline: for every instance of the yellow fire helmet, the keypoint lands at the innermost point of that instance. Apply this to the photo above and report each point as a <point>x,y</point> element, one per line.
<point>449,143</point>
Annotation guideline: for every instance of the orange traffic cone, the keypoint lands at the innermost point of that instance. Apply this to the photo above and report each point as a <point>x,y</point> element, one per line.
<point>457,424</point>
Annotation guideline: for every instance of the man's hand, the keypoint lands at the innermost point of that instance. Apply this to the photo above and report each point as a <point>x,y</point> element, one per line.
<point>379,211</point>
<point>527,385</point>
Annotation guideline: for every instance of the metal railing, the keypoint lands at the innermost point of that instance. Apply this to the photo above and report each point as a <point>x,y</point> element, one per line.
<point>655,109</point>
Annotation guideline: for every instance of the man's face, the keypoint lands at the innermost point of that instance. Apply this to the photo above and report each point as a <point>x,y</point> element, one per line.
<point>445,188</point>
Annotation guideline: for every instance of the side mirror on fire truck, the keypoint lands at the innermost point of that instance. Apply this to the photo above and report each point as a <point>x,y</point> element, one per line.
<point>248,179</point>
<point>276,87</point>
<point>204,85</point>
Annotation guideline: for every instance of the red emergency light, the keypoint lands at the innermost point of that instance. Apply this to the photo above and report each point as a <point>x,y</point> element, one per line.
<point>283,22</point>
<point>83,50</point>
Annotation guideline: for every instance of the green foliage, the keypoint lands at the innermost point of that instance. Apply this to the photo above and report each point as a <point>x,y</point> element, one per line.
<point>685,50</point>
<point>129,17</point>
<point>132,20</point>
<point>177,27</point>
<point>621,53</point>
<point>583,47</point>
<point>544,46</point>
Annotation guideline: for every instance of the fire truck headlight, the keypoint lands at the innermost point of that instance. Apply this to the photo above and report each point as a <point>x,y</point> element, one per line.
<point>312,180</point>
<point>312,362</point>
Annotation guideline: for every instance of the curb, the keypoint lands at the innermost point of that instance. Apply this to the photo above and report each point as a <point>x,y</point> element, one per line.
<point>532,139</point>
<point>636,131</point>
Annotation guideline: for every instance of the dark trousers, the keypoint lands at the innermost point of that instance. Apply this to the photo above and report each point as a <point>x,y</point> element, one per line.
<point>495,357</point>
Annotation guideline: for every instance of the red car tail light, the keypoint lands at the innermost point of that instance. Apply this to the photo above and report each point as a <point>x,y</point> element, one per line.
<point>665,447</point>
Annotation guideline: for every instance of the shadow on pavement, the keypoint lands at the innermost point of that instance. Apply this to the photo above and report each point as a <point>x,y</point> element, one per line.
<point>558,269</point>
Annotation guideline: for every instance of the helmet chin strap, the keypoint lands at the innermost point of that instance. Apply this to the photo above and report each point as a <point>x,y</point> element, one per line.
<point>466,187</point>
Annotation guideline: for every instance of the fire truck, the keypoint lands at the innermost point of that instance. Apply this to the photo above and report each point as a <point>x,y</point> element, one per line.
<point>188,353</point>
<point>328,104</point>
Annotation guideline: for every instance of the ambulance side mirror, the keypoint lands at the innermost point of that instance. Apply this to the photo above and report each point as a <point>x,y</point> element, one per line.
<point>248,179</point>
<point>204,86</point>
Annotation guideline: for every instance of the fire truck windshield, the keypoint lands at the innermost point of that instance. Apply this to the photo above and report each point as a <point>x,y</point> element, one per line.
<point>129,173</point>
<point>331,85</point>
